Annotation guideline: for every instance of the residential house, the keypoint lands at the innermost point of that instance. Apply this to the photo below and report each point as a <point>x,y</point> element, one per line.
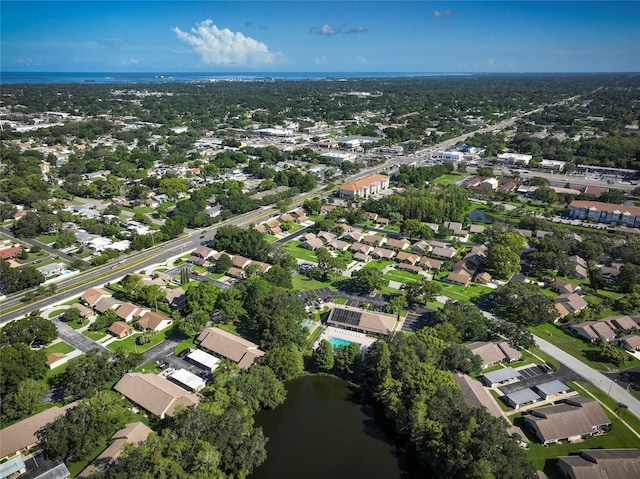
<point>227,345</point>
<point>120,329</point>
<point>128,311</point>
<point>312,243</point>
<point>483,278</point>
<point>565,287</point>
<point>460,277</point>
<point>153,321</point>
<point>203,252</point>
<point>133,433</point>
<point>412,268</point>
<point>84,312</point>
<point>56,359</point>
<point>326,236</point>
<point>361,248</point>
<point>92,295</point>
<point>360,320</point>
<point>11,252</point>
<point>106,303</point>
<point>383,253</point>
<point>569,303</point>
<point>22,435</point>
<point>236,273</point>
<point>575,419</point>
<point>601,464</point>
<point>353,236</point>
<point>630,342</point>
<point>400,244</point>
<point>154,393</point>
<point>382,222</point>
<point>490,352</point>
<point>421,247</point>
<point>338,245</point>
<point>374,240</point>
<point>476,229</point>
<point>430,264</point>
<point>361,257</point>
<point>622,323</point>
<point>446,252</point>
<point>240,261</point>
<point>406,257</point>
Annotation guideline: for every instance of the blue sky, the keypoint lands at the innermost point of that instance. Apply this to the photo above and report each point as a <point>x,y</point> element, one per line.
<point>320,36</point>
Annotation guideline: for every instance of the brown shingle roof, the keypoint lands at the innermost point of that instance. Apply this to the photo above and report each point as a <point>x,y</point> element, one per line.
<point>229,346</point>
<point>576,417</point>
<point>92,295</point>
<point>154,393</point>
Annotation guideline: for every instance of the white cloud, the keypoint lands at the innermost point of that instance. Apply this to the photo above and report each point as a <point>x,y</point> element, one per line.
<point>325,29</point>
<point>322,60</point>
<point>359,29</point>
<point>224,47</point>
<point>443,14</point>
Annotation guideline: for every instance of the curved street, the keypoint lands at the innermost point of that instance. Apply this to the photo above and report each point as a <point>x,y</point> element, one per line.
<point>594,377</point>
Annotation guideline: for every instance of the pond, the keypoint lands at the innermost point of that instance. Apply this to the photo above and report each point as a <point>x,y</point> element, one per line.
<point>478,215</point>
<point>322,432</point>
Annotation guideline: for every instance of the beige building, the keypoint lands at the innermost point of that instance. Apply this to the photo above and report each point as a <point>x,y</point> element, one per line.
<point>364,187</point>
<point>227,345</point>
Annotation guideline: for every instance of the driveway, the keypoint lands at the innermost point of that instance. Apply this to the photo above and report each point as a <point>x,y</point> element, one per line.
<point>74,338</point>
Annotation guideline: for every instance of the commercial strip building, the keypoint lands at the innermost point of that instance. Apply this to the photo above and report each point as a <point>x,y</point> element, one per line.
<point>364,187</point>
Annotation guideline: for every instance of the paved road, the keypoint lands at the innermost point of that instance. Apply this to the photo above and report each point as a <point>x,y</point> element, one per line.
<point>52,251</point>
<point>74,338</point>
<point>594,377</point>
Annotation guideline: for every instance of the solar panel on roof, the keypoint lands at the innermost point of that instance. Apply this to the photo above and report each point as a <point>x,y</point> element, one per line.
<point>347,317</point>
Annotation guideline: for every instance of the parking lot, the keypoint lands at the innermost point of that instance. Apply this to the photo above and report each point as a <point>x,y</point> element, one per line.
<point>377,302</point>
<point>535,375</point>
<point>417,320</point>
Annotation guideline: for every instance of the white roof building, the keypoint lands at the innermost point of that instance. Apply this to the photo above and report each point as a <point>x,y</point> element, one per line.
<point>188,380</point>
<point>206,360</point>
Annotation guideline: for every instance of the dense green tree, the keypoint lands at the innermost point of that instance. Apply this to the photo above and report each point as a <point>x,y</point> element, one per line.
<point>502,261</point>
<point>348,360</point>
<point>524,303</point>
<point>368,280</point>
<point>285,361</point>
<point>14,280</point>
<point>24,400</point>
<point>422,292</point>
<point>260,388</point>
<point>32,330</point>
<point>628,278</point>
<point>322,356</point>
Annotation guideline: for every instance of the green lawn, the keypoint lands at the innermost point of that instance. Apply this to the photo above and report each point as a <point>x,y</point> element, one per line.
<point>32,257</point>
<point>94,335</point>
<point>496,395</point>
<point>465,295</point>
<point>303,283</point>
<point>379,264</point>
<point>586,352</point>
<point>148,368</point>
<point>60,347</point>
<point>47,239</point>
<point>300,253</point>
<point>403,276</point>
<point>143,210</point>
<point>449,179</point>
<point>270,238</point>
<point>56,313</point>
<point>187,343</point>
<point>130,342</point>
<point>340,300</point>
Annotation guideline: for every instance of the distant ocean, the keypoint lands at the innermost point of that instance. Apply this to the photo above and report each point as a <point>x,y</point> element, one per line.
<point>106,77</point>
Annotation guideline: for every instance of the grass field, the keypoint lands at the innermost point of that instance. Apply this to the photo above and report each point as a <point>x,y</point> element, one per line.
<point>449,179</point>
<point>59,347</point>
<point>588,353</point>
<point>94,335</point>
<point>302,283</point>
<point>32,257</point>
<point>130,342</point>
<point>47,239</point>
<point>403,276</point>
<point>300,253</point>
<point>379,264</point>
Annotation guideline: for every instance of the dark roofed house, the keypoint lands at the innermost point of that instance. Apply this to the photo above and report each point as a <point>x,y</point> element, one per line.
<point>601,464</point>
<point>363,321</point>
<point>571,421</point>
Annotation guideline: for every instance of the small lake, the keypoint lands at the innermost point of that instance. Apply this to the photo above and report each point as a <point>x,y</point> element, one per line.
<point>478,215</point>
<point>322,432</point>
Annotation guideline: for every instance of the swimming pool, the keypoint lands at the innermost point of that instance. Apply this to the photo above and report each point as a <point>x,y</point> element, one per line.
<point>336,342</point>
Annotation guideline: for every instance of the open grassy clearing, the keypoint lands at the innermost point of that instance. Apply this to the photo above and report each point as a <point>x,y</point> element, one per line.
<point>300,253</point>
<point>131,345</point>
<point>403,276</point>
<point>588,353</point>
<point>304,283</point>
<point>59,347</point>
